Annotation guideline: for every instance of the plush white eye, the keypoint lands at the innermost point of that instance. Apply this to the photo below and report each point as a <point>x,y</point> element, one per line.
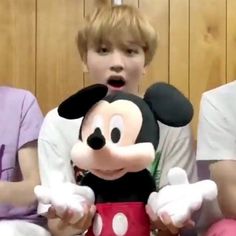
<point>98,122</point>
<point>116,128</point>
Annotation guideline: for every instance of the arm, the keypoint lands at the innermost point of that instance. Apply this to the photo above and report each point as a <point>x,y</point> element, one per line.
<point>216,143</point>
<point>224,174</point>
<point>27,128</point>
<point>21,193</point>
<point>178,150</point>
<point>56,139</point>
<point>54,146</point>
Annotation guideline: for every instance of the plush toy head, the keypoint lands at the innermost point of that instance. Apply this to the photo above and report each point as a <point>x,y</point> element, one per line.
<point>119,132</point>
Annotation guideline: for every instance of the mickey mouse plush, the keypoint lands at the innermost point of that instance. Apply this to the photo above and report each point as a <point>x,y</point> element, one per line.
<point>117,141</point>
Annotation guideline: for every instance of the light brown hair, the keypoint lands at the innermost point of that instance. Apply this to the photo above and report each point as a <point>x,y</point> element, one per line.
<point>116,24</point>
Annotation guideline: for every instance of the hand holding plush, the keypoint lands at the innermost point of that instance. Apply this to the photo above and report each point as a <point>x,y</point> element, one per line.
<point>66,196</point>
<point>179,199</point>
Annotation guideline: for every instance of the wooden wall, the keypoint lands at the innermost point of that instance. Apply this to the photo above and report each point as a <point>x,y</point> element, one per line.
<point>197,46</point>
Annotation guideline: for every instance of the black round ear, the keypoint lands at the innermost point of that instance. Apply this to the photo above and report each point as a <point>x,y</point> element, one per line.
<point>169,105</point>
<point>79,103</point>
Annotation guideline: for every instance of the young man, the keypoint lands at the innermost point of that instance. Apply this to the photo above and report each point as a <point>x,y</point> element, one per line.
<point>116,45</point>
<point>20,121</point>
<point>217,146</point>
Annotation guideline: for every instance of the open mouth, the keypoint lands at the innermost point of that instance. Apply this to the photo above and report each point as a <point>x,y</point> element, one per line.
<point>116,81</point>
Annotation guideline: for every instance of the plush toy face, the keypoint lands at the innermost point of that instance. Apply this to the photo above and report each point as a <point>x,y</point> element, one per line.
<point>108,134</point>
<point>119,132</point>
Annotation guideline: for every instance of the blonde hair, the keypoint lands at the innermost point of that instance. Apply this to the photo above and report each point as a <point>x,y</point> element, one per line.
<point>116,23</point>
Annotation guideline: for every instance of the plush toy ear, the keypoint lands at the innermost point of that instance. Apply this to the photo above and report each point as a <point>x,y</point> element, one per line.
<point>78,104</point>
<point>169,105</point>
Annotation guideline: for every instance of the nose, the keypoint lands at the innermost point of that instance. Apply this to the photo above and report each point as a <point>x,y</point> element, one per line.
<point>117,61</point>
<point>96,140</point>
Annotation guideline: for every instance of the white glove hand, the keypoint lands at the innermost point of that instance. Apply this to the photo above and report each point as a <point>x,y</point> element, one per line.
<point>179,199</point>
<point>66,196</point>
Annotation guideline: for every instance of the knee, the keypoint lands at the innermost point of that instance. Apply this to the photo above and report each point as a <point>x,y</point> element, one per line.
<point>225,227</point>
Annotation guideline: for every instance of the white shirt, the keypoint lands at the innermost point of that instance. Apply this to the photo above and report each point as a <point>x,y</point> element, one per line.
<point>217,124</point>
<point>58,135</point>
<point>216,138</point>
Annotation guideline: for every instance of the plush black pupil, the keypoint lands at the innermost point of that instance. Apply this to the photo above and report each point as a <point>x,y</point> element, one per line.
<point>115,135</point>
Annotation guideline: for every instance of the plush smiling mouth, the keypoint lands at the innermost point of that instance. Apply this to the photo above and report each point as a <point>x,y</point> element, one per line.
<point>116,81</point>
<point>109,172</point>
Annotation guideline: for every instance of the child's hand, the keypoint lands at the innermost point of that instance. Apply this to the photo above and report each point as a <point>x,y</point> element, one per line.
<point>179,199</point>
<point>62,226</point>
<point>66,197</point>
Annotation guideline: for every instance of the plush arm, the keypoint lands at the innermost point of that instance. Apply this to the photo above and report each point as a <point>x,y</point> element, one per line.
<point>22,192</point>
<point>180,199</point>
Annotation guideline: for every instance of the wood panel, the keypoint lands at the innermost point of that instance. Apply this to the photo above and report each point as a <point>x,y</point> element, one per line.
<point>59,68</point>
<point>17,43</point>
<point>158,13</point>
<point>207,48</point>
<point>131,2</point>
<point>231,40</point>
<point>179,45</point>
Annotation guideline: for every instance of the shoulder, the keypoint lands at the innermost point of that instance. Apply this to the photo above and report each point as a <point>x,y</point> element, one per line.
<point>53,118</point>
<point>54,125</point>
<point>16,95</point>
<point>220,98</point>
<point>168,132</point>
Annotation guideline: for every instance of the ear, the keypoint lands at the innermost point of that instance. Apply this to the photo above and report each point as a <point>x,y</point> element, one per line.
<point>78,104</point>
<point>169,105</point>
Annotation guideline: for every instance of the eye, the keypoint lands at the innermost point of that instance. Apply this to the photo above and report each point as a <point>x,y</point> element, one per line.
<point>98,122</point>
<point>103,49</point>
<point>116,128</point>
<point>131,51</point>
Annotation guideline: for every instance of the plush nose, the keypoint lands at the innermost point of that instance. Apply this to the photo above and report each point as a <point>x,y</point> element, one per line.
<point>96,140</point>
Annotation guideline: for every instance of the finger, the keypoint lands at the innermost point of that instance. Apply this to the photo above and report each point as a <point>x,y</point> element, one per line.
<point>64,219</point>
<point>42,194</point>
<point>176,176</point>
<point>86,221</point>
<point>166,219</point>
<point>208,188</point>
<point>51,213</point>
<point>85,192</point>
<point>150,213</point>
<point>189,224</point>
<point>82,223</point>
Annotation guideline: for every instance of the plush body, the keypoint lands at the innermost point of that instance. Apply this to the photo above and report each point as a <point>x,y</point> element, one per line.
<point>127,195</point>
<point>117,140</point>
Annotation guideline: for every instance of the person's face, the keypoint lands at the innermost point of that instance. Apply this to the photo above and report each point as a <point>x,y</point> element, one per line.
<point>121,67</point>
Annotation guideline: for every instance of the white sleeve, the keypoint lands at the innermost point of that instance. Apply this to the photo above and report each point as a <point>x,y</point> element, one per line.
<point>216,139</point>
<point>179,151</point>
<point>54,156</point>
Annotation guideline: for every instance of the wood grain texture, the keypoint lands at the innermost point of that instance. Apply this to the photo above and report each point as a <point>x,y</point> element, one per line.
<point>207,48</point>
<point>59,68</point>
<point>231,40</point>
<point>196,50</point>
<point>17,43</point>
<point>158,13</point>
<point>179,45</point>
